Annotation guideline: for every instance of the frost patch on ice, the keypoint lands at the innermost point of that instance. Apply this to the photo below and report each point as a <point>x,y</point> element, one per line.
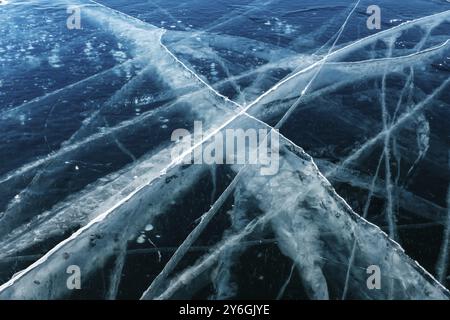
<point>281,27</point>
<point>311,225</point>
<point>120,56</point>
<point>54,58</point>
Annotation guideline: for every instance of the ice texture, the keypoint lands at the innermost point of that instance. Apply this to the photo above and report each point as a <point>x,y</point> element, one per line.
<point>88,178</point>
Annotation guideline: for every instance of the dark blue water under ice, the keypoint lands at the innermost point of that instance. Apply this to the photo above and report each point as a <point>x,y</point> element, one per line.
<point>82,112</point>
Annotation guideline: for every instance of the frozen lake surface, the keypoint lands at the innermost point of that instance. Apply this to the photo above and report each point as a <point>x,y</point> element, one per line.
<point>89,185</point>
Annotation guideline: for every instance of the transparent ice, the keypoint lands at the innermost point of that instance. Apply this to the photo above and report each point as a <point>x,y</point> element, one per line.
<point>87,176</point>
